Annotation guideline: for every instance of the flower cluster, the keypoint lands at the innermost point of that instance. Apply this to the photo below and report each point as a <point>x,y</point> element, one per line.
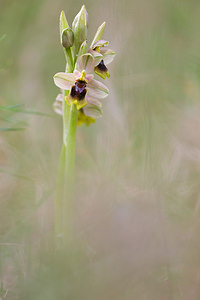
<point>84,91</point>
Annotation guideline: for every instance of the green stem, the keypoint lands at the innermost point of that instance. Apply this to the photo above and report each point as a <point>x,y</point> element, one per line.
<point>64,193</point>
<point>59,194</point>
<point>69,140</point>
<point>69,60</point>
<point>65,182</point>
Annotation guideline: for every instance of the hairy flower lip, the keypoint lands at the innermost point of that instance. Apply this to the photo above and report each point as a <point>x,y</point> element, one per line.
<point>102,70</point>
<point>102,66</point>
<point>78,91</point>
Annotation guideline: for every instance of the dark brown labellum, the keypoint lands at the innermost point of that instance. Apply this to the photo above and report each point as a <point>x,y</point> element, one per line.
<point>78,91</point>
<point>101,66</point>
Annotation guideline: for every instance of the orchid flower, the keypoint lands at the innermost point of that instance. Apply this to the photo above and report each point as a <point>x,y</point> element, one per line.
<point>102,58</point>
<point>84,91</point>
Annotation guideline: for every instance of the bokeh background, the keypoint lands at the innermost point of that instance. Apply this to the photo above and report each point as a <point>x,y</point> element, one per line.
<point>137,185</point>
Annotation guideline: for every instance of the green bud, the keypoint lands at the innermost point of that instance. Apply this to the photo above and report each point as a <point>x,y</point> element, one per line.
<point>98,34</point>
<point>79,27</point>
<point>67,39</point>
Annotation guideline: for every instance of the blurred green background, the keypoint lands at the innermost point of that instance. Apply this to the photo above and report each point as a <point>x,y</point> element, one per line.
<point>137,186</point>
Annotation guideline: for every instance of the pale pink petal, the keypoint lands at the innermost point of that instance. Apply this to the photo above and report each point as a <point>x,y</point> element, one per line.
<point>96,89</point>
<point>108,55</point>
<point>92,111</point>
<point>86,62</point>
<point>59,98</point>
<point>64,80</point>
<point>89,77</point>
<point>100,43</point>
<point>93,101</point>
<point>57,105</point>
<point>77,74</point>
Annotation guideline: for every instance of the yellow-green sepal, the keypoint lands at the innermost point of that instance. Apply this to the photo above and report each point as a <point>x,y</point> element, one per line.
<point>98,34</point>
<point>63,24</point>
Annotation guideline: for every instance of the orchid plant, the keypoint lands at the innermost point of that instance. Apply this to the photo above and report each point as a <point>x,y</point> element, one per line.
<point>79,103</point>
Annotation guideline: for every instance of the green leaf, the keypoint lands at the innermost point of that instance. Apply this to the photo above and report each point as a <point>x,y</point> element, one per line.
<point>15,174</point>
<point>13,107</point>
<point>12,128</point>
<point>17,108</point>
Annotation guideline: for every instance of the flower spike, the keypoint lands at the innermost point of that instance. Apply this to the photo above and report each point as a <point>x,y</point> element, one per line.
<point>84,92</point>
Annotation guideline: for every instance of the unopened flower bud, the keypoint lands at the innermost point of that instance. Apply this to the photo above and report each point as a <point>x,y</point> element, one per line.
<point>67,38</point>
<point>79,27</point>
